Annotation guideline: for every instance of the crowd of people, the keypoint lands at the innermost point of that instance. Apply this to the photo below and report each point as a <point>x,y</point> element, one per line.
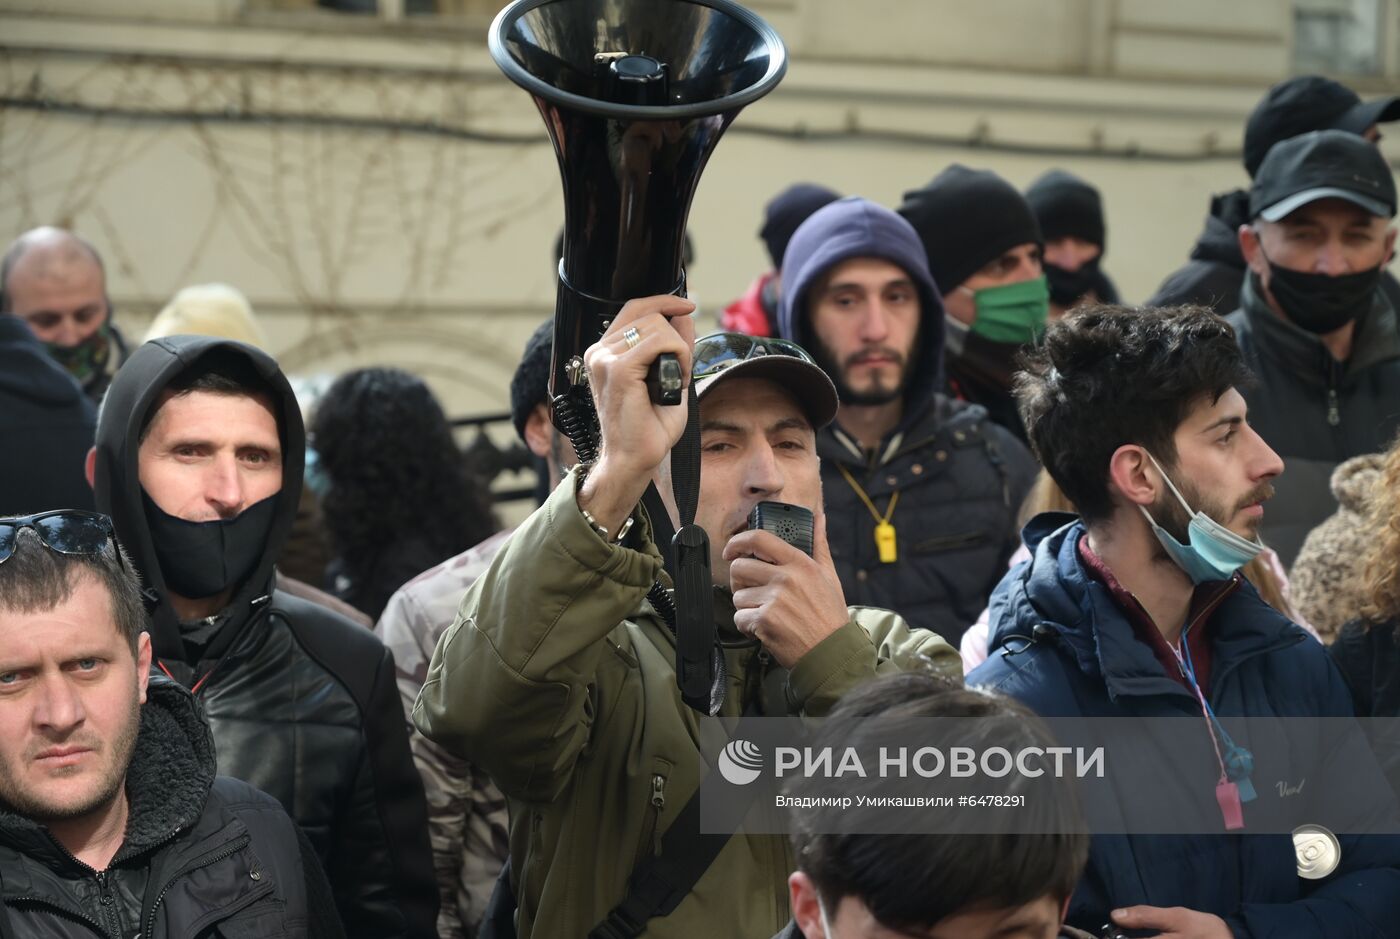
<point>270,666</point>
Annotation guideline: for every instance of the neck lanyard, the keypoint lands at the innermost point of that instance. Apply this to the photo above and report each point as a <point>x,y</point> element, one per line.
<point>884,531</point>
<point>1236,763</point>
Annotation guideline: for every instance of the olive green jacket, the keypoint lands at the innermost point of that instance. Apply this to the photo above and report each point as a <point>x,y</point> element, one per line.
<point>557,679</point>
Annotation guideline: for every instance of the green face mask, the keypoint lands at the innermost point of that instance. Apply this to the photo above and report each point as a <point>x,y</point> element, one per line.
<point>1012,313</point>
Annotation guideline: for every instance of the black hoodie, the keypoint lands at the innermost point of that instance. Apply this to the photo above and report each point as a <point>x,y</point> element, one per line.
<point>302,702</point>
<point>46,426</point>
<point>178,812</point>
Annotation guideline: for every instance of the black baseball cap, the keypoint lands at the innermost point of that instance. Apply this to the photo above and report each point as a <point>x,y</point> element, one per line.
<point>1325,164</point>
<point>1307,103</point>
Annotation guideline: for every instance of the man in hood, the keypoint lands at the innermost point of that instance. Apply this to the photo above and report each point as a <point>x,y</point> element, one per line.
<point>1214,274</point>
<point>46,426</point>
<point>923,489</point>
<point>756,312</point>
<point>112,822</point>
<point>1315,322</point>
<point>55,282</point>
<point>1136,610</point>
<point>558,676</point>
<point>985,253</point>
<point>199,462</point>
<point>1070,214</point>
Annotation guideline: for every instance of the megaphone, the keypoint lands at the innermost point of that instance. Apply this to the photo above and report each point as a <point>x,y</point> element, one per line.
<point>635,95</point>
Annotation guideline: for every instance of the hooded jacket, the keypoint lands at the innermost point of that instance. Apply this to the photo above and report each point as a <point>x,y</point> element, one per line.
<point>557,678</point>
<point>301,701</point>
<point>1216,271</point>
<point>201,858</point>
<point>1062,645</point>
<point>1314,411</point>
<point>46,425</point>
<point>960,477</point>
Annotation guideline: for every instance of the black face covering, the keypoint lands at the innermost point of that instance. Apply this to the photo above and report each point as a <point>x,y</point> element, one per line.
<point>203,559</point>
<point>1319,303</point>
<point>1067,287</point>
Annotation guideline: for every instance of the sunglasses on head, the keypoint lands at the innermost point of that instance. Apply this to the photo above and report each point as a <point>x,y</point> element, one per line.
<point>718,351</point>
<point>67,531</point>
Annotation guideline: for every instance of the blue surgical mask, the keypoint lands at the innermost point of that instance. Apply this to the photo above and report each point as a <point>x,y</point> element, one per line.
<point>1214,552</point>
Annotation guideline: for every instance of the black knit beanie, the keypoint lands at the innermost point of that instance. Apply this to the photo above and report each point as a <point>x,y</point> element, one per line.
<point>967,219</point>
<point>529,385</point>
<point>786,211</point>
<point>1067,206</point>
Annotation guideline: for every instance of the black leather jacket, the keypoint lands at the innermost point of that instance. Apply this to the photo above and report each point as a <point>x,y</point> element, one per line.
<point>202,857</point>
<point>302,701</point>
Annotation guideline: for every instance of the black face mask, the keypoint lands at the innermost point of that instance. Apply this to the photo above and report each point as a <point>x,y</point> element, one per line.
<point>203,559</point>
<point>1319,303</point>
<point>1068,287</point>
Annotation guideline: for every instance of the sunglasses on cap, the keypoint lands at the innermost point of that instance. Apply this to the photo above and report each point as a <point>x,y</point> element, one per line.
<point>67,531</point>
<point>719,351</point>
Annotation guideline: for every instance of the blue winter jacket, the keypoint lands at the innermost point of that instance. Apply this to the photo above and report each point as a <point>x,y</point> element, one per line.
<point>1061,645</point>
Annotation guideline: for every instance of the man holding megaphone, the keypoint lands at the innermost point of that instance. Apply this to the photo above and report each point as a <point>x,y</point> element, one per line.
<point>557,677</point>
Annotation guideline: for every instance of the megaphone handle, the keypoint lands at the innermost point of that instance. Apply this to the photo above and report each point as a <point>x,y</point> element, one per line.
<point>665,381</point>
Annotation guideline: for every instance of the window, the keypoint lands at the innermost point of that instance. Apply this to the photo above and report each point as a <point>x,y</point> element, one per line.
<point>1337,37</point>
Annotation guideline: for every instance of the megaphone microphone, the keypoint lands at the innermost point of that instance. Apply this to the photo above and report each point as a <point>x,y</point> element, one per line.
<point>636,94</point>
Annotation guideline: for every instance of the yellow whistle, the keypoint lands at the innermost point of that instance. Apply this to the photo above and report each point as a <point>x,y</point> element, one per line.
<point>884,542</point>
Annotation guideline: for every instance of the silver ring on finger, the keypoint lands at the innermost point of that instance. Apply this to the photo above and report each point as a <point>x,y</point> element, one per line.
<point>632,337</point>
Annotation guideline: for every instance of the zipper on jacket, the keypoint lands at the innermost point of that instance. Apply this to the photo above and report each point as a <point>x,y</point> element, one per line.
<point>227,852</point>
<point>100,877</point>
<point>70,912</point>
<point>658,803</point>
<point>1334,410</point>
<point>110,913</point>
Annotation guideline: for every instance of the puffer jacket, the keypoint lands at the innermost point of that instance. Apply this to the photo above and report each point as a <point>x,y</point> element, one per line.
<point>961,480</point>
<point>557,679</point>
<point>203,857</point>
<point>1325,584</point>
<point>1314,411</point>
<point>302,702</point>
<point>1063,646</point>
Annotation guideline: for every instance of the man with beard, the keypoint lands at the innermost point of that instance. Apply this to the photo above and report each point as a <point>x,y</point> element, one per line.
<point>111,819</point>
<point>1070,214</point>
<point>985,253</point>
<point>1136,609</point>
<point>923,490</point>
<point>199,463</point>
<point>55,282</point>
<point>1315,322</point>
